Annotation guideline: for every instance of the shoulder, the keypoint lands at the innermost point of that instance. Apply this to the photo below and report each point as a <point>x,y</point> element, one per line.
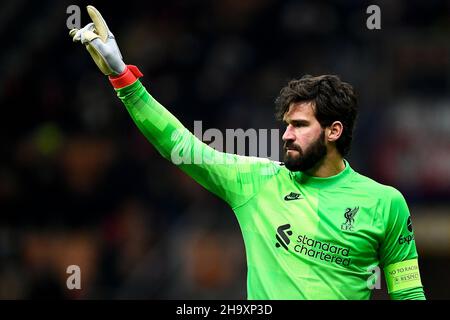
<point>384,192</point>
<point>391,206</point>
<point>262,166</point>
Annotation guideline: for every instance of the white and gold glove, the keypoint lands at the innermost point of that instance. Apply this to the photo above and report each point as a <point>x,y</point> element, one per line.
<point>100,43</point>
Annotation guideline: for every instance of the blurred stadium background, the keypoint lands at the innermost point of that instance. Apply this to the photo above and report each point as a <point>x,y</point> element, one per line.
<point>80,185</point>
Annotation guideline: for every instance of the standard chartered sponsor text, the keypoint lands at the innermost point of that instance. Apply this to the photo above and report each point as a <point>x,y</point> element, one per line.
<point>322,250</point>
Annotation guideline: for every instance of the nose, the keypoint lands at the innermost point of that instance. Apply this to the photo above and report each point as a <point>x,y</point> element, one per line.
<point>288,134</point>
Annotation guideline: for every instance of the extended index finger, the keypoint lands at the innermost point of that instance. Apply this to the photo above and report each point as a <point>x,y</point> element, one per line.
<point>99,23</point>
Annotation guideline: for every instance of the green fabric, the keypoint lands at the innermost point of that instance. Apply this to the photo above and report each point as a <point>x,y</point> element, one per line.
<point>231,177</point>
<point>409,294</point>
<point>305,237</point>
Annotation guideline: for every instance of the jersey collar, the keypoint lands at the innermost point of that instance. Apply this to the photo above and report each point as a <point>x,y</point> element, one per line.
<point>305,179</point>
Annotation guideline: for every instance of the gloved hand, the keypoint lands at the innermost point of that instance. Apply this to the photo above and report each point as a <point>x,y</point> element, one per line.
<point>100,43</point>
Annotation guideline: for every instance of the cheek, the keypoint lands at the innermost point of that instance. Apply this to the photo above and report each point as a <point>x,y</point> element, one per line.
<point>305,137</point>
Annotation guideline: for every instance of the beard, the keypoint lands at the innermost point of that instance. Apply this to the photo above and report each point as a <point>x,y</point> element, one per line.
<point>307,159</point>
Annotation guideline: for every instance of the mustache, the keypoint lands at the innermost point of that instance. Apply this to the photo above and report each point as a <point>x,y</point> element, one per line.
<point>292,145</point>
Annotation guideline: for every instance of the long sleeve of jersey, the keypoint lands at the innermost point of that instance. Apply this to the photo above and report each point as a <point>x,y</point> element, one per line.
<point>229,176</point>
<point>398,252</point>
<point>416,293</point>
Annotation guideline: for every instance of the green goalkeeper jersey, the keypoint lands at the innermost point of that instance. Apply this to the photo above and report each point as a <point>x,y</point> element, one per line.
<point>305,237</point>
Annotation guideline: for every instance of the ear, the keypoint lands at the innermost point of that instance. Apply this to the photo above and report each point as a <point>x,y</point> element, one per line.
<point>334,131</point>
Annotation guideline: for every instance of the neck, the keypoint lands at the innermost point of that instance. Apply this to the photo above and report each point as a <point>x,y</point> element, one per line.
<point>331,165</point>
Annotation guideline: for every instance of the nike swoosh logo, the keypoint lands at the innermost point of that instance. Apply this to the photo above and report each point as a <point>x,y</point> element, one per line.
<point>293,196</point>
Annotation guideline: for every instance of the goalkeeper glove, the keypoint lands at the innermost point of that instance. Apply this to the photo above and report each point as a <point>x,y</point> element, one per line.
<point>102,46</point>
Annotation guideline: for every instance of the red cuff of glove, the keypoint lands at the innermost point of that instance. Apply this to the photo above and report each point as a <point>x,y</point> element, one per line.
<point>127,77</point>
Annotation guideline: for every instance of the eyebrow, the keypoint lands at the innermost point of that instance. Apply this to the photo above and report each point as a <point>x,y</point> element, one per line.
<point>297,122</point>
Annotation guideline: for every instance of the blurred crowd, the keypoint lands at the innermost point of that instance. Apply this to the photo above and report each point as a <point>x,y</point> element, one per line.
<point>80,185</point>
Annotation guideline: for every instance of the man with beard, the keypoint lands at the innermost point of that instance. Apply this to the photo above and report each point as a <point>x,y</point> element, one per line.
<point>313,227</point>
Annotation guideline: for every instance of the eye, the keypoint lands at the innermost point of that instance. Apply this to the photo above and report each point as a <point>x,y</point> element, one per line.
<point>297,124</point>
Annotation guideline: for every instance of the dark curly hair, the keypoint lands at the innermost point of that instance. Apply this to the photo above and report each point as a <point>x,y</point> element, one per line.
<point>333,99</point>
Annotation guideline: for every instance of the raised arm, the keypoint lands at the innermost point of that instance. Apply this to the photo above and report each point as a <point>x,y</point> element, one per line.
<point>233,178</point>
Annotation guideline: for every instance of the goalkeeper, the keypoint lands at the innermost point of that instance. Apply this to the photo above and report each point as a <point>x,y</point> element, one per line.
<point>313,227</point>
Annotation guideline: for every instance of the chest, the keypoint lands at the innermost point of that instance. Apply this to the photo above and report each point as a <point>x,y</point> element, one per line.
<point>327,225</point>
